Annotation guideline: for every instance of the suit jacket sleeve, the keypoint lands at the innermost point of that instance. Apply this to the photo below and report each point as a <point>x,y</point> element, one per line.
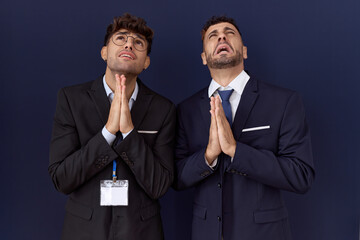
<point>153,166</point>
<point>72,163</point>
<point>191,167</point>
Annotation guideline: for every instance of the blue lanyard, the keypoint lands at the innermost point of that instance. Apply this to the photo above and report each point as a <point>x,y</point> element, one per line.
<point>114,171</point>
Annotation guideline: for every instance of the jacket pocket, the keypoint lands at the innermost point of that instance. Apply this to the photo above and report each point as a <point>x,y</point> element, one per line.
<point>199,211</point>
<point>150,211</point>
<point>255,133</point>
<point>273,215</point>
<point>78,209</point>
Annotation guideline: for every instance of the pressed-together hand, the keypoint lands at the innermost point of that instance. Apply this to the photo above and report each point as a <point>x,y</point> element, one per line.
<point>119,116</point>
<point>126,124</point>
<point>213,148</point>
<point>226,137</point>
<point>221,138</point>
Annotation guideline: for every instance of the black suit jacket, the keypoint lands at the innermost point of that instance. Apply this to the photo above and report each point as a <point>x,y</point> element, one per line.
<point>80,157</point>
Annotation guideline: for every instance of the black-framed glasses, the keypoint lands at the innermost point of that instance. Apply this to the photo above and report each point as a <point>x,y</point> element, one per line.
<point>121,38</point>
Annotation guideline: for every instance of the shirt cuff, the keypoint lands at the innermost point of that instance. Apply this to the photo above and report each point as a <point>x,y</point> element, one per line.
<point>126,134</point>
<point>213,164</point>
<point>109,137</point>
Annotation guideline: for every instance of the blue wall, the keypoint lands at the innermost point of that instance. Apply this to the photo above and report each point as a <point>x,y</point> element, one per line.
<point>309,46</point>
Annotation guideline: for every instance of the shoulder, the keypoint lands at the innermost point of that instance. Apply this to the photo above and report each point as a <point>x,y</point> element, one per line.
<point>156,98</point>
<point>275,92</point>
<point>82,87</point>
<point>271,88</point>
<point>195,98</point>
<point>278,97</point>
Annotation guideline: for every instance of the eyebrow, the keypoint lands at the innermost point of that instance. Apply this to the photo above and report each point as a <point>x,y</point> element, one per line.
<point>127,32</point>
<point>214,31</point>
<point>228,28</point>
<point>225,29</point>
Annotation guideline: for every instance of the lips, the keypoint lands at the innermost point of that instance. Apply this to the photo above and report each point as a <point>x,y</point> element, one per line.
<point>127,54</point>
<point>223,48</point>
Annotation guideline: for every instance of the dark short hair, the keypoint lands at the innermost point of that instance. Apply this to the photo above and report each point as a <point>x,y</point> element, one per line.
<point>131,23</point>
<point>215,20</point>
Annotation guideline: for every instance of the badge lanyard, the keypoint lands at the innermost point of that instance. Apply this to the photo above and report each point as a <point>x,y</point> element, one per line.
<point>114,171</point>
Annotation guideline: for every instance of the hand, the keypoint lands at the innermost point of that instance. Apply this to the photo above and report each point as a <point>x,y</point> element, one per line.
<point>126,124</point>
<point>226,137</point>
<point>213,148</point>
<point>112,124</point>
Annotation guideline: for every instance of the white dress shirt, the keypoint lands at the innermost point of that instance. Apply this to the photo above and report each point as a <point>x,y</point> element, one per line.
<point>238,84</point>
<point>109,137</point>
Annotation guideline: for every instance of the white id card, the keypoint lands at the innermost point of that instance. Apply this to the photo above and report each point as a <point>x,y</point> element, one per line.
<point>114,193</point>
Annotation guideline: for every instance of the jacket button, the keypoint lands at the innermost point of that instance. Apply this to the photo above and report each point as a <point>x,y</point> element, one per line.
<point>219,219</point>
<point>219,185</point>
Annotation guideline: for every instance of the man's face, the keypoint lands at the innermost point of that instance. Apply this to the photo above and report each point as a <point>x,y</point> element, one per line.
<point>223,47</point>
<point>126,59</point>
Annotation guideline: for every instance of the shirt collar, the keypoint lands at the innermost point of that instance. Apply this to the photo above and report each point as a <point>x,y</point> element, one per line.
<point>110,93</point>
<point>238,84</point>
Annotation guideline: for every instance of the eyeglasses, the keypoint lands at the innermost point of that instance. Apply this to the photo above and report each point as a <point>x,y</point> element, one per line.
<point>121,38</point>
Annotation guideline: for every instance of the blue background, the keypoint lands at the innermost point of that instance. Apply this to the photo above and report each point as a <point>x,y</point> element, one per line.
<point>309,46</point>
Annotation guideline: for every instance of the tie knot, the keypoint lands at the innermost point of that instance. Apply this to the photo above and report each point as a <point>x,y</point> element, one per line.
<point>225,94</point>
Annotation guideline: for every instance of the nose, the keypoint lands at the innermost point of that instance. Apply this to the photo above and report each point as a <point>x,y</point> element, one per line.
<point>128,43</point>
<point>222,37</point>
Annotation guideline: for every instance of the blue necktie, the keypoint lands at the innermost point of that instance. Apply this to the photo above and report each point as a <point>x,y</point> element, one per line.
<point>225,96</point>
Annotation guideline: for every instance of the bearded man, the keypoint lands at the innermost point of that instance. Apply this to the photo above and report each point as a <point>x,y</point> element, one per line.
<point>240,142</point>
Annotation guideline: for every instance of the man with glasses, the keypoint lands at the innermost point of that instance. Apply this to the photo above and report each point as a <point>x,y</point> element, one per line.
<point>111,149</point>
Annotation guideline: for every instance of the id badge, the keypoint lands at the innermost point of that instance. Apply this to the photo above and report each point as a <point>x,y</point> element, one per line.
<point>114,193</point>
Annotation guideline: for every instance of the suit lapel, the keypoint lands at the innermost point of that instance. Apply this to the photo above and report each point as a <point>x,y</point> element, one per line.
<point>98,96</point>
<point>246,104</point>
<point>141,105</point>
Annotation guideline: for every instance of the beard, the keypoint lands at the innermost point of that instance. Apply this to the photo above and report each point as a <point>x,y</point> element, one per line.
<point>224,62</point>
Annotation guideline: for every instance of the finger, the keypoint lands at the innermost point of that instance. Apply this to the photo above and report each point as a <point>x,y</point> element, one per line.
<point>117,92</point>
<point>218,107</point>
<point>212,106</point>
<point>123,95</point>
<point>218,103</point>
<point>123,80</point>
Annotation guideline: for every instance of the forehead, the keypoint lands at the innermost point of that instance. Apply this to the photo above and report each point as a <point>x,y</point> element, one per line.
<point>220,27</point>
<point>129,32</point>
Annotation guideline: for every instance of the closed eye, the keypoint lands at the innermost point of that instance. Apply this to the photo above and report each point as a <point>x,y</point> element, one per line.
<point>212,35</point>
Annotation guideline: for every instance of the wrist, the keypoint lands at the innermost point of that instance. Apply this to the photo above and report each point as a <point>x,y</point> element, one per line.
<point>110,130</point>
<point>210,157</point>
<point>127,129</point>
<point>231,151</point>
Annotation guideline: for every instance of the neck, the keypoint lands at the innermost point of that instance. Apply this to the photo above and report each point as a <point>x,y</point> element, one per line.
<point>129,83</point>
<point>225,76</point>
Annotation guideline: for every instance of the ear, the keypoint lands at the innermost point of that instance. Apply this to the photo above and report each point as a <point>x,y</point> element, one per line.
<point>104,53</point>
<point>245,52</point>
<point>203,57</point>
<point>147,62</point>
